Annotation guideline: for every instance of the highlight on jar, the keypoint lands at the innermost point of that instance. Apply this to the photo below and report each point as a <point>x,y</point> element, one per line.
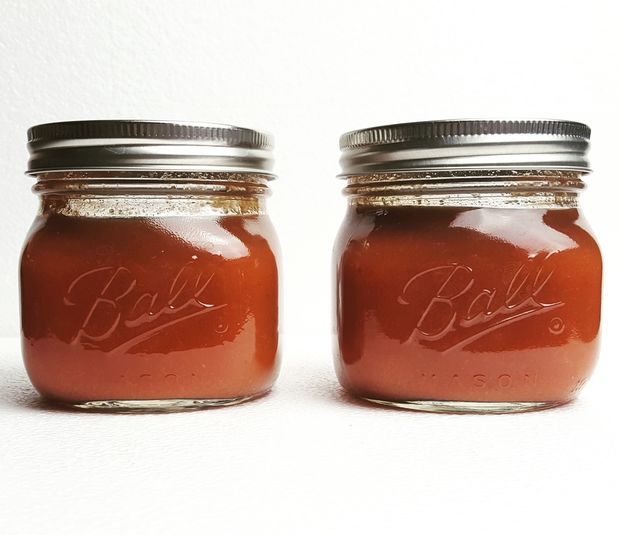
<point>467,278</point>
<point>149,277</point>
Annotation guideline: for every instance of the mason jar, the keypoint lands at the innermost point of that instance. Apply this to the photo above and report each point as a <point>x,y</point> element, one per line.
<point>149,278</point>
<point>468,279</point>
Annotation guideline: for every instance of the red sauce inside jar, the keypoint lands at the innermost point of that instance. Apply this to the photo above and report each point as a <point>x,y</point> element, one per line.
<point>150,308</point>
<point>466,304</point>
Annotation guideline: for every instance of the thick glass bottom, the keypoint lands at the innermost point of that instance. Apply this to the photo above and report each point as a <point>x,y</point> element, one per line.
<point>155,405</point>
<point>471,407</point>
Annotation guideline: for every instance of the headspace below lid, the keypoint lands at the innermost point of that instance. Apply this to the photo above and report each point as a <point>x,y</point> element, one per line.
<point>148,145</point>
<point>466,144</point>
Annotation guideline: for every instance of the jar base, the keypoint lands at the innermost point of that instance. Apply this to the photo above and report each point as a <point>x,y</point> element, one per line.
<point>471,407</point>
<point>154,405</point>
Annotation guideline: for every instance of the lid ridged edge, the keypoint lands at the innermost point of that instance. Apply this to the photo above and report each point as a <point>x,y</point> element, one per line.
<point>137,145</point>
<point>427,130</point>
<point>130,129</point>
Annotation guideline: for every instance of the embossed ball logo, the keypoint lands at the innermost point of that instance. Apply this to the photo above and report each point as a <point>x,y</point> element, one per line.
<point>117,314</point>
<point>460,309</point>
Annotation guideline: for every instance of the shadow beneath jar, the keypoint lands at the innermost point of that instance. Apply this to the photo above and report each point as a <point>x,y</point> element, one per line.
<point>319,383</point>
<point>16,390</point>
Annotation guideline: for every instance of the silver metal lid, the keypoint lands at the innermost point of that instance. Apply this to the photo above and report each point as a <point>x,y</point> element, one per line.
<point>467,144</point>
<point>148,145</point>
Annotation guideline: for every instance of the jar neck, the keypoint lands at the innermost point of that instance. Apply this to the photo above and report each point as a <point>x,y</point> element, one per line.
<point>151,194</point>
<point>471,188</point>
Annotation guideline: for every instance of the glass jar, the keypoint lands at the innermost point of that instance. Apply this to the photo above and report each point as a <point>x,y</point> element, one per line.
<point>149,278</point>
<point>467,277</point>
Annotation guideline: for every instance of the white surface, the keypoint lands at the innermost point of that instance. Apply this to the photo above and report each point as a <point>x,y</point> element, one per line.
<point>304,460</point>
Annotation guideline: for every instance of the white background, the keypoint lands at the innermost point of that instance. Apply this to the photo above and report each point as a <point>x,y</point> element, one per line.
<point>307,459</point>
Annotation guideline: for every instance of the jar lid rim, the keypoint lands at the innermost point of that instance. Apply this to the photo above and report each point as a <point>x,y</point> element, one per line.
<point>148,145</point>
<point>466,144</point>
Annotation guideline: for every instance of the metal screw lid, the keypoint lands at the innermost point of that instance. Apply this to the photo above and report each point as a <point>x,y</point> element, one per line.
<point>466,144</point>
<point>148,145</point>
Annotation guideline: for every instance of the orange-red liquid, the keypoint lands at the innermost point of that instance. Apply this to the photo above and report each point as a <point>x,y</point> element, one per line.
<point>466,304</point>
<point>139,308</point>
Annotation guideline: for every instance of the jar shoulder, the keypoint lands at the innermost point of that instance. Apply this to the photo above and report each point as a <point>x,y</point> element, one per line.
<point>224,237</point>
<point>460,231</point>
